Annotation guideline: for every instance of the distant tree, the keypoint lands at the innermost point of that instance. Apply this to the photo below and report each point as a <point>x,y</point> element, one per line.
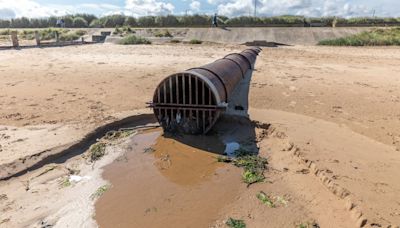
<point>68,21</point>
<point>51,22</point>
<point>130,21</point>
<point>97,23</point>
<point>167,21</point>
<point>147,21</point>
<point>88,17</point>
<point>79,22</point>
<point>114,21</point>
<point>5,23</point>
<point>22,22</point>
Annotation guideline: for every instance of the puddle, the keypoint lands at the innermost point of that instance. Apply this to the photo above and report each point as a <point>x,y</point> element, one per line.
<point>166,182</point>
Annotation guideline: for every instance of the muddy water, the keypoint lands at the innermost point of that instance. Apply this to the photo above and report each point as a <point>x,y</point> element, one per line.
<point>176,183</point>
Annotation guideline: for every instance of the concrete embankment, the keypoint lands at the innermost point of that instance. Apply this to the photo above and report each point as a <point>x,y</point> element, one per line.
<point>292,36</point>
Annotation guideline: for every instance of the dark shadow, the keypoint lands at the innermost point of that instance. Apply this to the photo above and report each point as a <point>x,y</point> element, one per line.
<point>233,126</point>
<point>264,43</point>
<point>224,28</point>
<point>48,45</point>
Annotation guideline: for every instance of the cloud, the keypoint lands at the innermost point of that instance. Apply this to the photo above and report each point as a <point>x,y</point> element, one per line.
<point>148,7</point>
<point>32,9</point>
<point>7,13</point>
<point>26,8</point>
<point>313,8</point>
<point>195,6</point>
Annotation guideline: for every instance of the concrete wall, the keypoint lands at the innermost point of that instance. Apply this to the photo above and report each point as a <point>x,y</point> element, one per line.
<point>295,36</point>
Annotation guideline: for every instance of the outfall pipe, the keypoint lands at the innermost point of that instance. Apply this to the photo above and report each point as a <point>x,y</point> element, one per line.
<point>192,101</point>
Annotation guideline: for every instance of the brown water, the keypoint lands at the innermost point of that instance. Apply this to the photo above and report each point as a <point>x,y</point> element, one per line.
<point>176,185</point>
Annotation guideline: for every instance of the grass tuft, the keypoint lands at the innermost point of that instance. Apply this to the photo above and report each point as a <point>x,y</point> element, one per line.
<point>97,151</point>
<point>165,33</point>
<point>265,199</point>
<point>100,191</point>
<point>252,164</point>
<point>376,37</point>
<point>235,223</point>
<point>194,41</point>
<point>115,135</point>
<point>132,39</point>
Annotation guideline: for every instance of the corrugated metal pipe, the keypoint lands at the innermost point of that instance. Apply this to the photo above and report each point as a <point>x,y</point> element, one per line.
<point>192,101</point>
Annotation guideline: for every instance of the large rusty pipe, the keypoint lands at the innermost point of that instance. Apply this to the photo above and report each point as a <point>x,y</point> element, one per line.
<point>192,101</point>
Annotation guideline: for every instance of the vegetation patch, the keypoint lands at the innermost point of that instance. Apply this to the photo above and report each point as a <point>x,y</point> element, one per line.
<point>376,37</point>
<point>265,199</point>
<point>149,150</point>
<point>175,41</point>
<point>97,151</point>
<point>132,39</point>
<point>123,30</point>
<point>194,41</point>
<point>65,183</point>
<point>165,33</point>
<point>100,191</point>
<point>235,223</point>
<point>252,164</point>
<point>115,135</point>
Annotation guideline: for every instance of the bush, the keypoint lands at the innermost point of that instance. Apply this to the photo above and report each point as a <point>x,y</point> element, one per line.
<point>165,33</point>
<point>377,37</point>
<point>132,39</point>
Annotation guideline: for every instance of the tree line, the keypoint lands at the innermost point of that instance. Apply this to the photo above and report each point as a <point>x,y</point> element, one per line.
<point>112,21</point>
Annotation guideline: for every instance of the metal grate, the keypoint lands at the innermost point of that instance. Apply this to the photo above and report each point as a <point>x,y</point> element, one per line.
<point>185,102</point>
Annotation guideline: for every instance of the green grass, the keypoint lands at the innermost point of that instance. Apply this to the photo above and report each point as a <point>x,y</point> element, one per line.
<point>265,199</point>
<point>235,223</point>
<point>376,37</point>
<point>65,183</point>
<point>252,164</point>
<point>97,151</point>
<point>132,39</point>
<point>100,191</point>
<point>165,33</point>
<point>194,41</point>
<point>115,135</point>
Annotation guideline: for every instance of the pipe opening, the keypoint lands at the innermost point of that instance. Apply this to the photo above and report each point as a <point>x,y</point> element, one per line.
<point>185,102</point>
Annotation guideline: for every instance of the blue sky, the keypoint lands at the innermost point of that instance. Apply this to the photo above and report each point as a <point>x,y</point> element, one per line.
<point>343,8</point>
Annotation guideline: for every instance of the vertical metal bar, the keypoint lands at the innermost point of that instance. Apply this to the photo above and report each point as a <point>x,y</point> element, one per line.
<point>170,90</point>
<point>158,95</point>
<point>196,91</point>
<point>190,89</point>
<point>203,102</point>
<point>197,102</point>
<point>209,102</point>
<point>177,89</point>
<point>204,122</point>
<point>190,95</point>
<point>165,92</point>
<point>183,89</point>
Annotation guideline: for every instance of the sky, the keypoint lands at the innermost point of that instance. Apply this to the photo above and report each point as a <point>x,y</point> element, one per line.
<point>311,8</point>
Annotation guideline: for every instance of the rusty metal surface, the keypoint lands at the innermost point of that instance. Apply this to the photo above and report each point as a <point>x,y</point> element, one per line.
<point>192,101</point>
<point>241,60</point>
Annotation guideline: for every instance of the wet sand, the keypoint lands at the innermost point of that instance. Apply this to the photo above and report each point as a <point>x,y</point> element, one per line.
<point>161,182</point>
